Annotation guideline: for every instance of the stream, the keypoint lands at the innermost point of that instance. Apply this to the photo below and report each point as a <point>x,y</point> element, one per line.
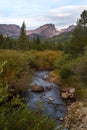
<point>55,107</point>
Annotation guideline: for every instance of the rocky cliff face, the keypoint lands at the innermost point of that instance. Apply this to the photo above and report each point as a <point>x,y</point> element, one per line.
<point>10,30</point>
<point>45,31</point>
<point>49,30</point>
<point>69,29</point>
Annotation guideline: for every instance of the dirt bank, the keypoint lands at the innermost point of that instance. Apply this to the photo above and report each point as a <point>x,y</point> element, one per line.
<point>76,117</point>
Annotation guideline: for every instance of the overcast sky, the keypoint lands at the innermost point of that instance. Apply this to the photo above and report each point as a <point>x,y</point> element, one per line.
<point>35,13</point>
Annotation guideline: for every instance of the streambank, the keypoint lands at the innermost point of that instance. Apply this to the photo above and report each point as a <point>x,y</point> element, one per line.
<point>76,117</point>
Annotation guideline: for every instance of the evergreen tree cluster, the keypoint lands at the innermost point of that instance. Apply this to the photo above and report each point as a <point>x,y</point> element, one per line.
<point>79,38</point>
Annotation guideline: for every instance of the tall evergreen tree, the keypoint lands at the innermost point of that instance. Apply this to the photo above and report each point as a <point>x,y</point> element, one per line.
<point>23,40</point>
<point>83,20</point>
<point>79,38</point>
<point>38,41</point>
<point>1,40</point>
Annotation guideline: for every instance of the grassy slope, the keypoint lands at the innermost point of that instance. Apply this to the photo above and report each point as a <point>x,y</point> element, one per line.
<point>62,38</point>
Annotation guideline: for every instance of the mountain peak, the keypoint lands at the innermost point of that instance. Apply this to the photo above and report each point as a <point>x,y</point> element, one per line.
<point>45,31</point>
<point>47,25</point>
<point>49,30</point>
<point>70,28</point>
<point>11,30</point>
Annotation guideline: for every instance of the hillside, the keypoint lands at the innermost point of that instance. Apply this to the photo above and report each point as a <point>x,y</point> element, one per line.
<point>62,38</point>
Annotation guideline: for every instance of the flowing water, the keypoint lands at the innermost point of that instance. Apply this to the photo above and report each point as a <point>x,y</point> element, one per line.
<point>49,101</point>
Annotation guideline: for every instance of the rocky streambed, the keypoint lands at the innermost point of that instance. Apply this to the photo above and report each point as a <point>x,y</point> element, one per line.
<point>45,96</point>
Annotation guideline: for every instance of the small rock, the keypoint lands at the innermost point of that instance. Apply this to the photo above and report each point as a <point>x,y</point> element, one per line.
<point>64,95</point>
<point>51,99</point>
<point>37,88</point>
<point>61,119</point>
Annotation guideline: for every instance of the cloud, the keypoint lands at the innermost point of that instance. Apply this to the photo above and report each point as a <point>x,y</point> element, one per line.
<point>59,14</point>
<point>70,9</point>
<point>66,15</point>
<point>61,17</point>
<point>37,12</point>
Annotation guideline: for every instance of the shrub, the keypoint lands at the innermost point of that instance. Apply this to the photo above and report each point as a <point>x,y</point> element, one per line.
<point>62,60</point>
<point>16,71</point>
<point>30,57</point>
<point>21,118</point>
<point>42,60</point>
<point>66,71</point>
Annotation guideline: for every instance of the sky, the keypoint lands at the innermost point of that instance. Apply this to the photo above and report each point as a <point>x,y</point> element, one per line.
<point>36,13</point>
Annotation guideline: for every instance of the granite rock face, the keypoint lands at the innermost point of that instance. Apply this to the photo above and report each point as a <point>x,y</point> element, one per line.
<point>45,31</point>
<point>10,30</point>
<point>48,31</point>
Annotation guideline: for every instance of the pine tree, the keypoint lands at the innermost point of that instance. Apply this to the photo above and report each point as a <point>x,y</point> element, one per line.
<point>23,41</point>
<point>1,40</point>
<point>79,38</point>
<point>38,41</point>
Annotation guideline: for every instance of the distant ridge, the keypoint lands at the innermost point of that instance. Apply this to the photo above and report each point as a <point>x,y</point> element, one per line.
<point>49,30</point>
<point>10,30</point>
<point>45,31</point>
<point>68,29</point>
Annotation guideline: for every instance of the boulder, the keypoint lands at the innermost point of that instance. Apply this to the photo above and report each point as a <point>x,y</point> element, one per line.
<point>64,95</point>
<point>71,90</point>
<point>68,93</point>
<point>37,88</point>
